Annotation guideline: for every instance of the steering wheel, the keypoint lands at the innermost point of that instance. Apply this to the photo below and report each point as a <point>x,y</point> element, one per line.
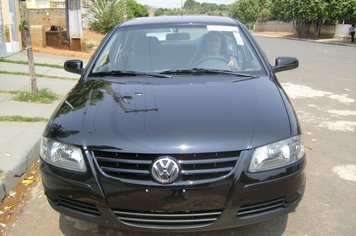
<point>212,62</point>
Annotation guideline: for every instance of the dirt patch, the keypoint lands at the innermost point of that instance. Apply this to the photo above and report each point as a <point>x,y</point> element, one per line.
<point>91,41</point>
<point>93,36</point>
<point>277,34</point>
<point>291,35</point>
<point>62,52</point>
<point>13,204</point>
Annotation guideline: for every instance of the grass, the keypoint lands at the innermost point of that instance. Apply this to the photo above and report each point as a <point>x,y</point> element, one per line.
<point>43,96</point>
<point>37,75</point>
<point>9,91</point>
<point>26,63</point>
<point>22,119</point>
<point>89,45</point>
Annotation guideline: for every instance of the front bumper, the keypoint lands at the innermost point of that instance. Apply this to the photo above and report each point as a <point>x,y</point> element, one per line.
<point>251,198</point>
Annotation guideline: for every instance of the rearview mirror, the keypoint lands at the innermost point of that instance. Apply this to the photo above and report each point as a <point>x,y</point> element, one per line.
<point>74,66</point>
<point>285,63</point>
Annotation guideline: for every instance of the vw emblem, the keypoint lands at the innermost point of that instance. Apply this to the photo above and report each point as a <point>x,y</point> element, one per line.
<point>165,170</point>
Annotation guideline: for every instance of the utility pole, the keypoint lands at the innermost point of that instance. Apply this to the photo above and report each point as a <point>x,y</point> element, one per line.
<point>25,28</point>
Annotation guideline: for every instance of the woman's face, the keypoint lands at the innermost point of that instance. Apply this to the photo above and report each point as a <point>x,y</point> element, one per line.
<point>214,44</point>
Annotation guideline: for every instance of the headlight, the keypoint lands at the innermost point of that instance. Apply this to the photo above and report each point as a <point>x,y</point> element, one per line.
<point>62,155</point>
<point>277,154</point>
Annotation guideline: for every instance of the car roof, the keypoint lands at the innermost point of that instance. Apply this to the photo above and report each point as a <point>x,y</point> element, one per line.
<point>159,20</point>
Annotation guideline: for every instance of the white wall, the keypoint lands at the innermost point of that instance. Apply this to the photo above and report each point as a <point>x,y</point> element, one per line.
<point>38,4</point>
<point>274,26</point>
<point>342,30</point>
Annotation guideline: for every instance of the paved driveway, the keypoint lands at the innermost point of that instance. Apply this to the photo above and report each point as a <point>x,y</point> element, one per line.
<point>323,91</point>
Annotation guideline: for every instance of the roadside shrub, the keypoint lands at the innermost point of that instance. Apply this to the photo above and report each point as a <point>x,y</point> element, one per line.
<point>265,15</point>
<point>106,14</point>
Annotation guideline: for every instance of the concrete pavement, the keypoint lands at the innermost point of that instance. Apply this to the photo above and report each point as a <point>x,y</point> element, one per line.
<point>19,141</point>
<point>41,70</point>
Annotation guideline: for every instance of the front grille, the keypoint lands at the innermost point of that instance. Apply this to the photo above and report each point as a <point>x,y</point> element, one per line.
<point>152,219</point>
<point>258,208</point>
<point>195,168</point>
<point>75,205</point>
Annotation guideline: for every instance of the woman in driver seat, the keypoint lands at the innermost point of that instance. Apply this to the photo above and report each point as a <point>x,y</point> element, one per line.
<point>213,46</point>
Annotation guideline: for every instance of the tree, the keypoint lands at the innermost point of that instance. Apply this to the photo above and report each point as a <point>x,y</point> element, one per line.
<point>106,14</point>
<point>343,10</point>
<point>172,12</point>
<point>25,28</point>
<point>247,11</point>
<point>300,13</point>
<point>305,13</point>
<point>194,7</point>
<point>265,15</point>
<point>191,5</point>
<point>135,9</point>
<point>159,12</point>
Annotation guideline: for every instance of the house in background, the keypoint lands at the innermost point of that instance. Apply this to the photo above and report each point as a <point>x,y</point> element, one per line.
<point>38,4</point>
<point>56,23</point>
<point>2,35</point>
<point>10,36</point>
<point>58,20</point>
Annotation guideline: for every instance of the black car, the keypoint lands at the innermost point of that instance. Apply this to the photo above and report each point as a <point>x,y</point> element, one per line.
<point>176,124</point>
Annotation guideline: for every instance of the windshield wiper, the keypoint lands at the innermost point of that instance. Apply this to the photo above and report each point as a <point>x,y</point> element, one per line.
<point>207,71</point>
<point>127,73</point>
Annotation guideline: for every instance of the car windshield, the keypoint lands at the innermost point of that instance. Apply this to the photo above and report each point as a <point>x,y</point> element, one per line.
<point>178,48</point>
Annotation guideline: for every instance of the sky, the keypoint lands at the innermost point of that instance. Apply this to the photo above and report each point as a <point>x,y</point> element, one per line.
<point>176,3</point>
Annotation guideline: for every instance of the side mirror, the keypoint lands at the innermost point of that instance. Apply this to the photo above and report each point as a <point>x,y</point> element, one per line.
<point>285,63</point>
<point>74,66</point>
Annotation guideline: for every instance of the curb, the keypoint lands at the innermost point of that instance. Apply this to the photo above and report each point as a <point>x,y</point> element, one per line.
<point>307,40</point>
<point>11,178</point>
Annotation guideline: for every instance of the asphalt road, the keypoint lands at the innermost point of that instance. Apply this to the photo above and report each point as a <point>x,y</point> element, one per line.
<point>323,91</point>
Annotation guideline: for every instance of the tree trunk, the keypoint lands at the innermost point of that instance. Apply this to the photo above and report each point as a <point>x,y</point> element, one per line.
<point>318,29</point>
<point>31,64</point>
<point>299,27</point>
<point>28,43</point>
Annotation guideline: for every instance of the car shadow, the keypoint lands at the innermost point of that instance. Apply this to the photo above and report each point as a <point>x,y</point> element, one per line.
<point>74,227</point>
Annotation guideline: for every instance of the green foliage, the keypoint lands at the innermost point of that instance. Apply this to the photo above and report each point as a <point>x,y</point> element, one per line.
<point>247,11</point>
<point>159,12</point>
<point>22,62</point>
<point>38,75</point>
<point>304,13</point>
<point>9,91</point>
<point>135,9</point>
<point>265,15</point>
<point>22,119</point>
<point>89,45</point>
<point>43,96</point>
<point>341,10</point>
<point>195,8</point>
<point>172,12</point>
<point>167,12</point>
<point>301,13</point>
<point>191,6</point>
<point>293,10</point>
<point>106,14</point>
<point>23,25</point>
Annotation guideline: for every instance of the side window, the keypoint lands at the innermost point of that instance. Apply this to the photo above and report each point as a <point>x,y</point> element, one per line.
<point>111,57</point>
<point>244,54</point>
<point>103,62</point>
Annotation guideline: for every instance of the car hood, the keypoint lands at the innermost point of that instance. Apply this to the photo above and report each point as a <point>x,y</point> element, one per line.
<point>171,117</point>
